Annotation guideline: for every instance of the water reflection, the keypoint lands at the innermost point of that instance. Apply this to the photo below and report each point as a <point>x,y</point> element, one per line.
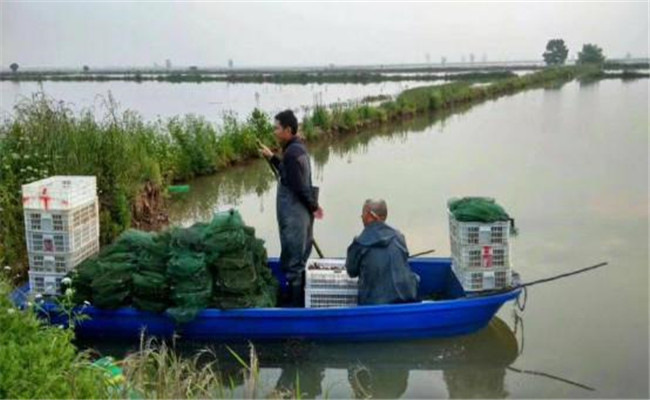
<point>472,366</point>
<point>208,194</point>
<point>555,85</point>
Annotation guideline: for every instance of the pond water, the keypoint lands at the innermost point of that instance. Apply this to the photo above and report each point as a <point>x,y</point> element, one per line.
<point>569,163</point>
<point>209,99</point>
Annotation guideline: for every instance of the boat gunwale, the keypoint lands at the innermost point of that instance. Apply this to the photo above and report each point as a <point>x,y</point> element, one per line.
<point>280,312</point>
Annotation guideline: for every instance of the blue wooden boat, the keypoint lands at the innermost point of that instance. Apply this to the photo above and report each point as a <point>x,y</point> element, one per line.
<point>457,314</point>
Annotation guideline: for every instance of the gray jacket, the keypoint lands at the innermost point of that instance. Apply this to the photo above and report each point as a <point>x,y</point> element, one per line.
<point>379,258</point>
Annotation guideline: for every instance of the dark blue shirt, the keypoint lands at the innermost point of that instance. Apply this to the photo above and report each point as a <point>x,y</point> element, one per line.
<point>295,172</point>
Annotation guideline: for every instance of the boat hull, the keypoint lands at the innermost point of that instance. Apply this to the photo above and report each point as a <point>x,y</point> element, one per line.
<point>442,318</point>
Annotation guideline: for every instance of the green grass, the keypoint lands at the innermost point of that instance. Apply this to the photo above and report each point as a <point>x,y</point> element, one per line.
<point>350,118</point>
<point>39,361</point>
<point>158,371</point>
<point>44,138</point>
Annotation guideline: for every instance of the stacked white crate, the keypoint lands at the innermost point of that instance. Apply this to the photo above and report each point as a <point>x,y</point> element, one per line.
<point>481,256</point>
<point>328,285</point>
<point>61,228</point>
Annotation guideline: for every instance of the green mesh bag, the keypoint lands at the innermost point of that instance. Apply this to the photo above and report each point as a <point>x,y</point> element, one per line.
<point>150,291</point>
<point>156,258</point>
<point>236,273</point>
<point>225,241</point>
<point>477,209</point>
<point>111,289</point>
<point>152,305</point>
<point>480,209</point>
<point>185,264</point>
<point>82,279</point>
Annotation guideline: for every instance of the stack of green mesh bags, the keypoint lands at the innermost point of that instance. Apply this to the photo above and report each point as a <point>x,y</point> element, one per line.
<point>181,271</point>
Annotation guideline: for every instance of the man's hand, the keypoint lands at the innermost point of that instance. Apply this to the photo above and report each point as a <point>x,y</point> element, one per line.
<point>318,214</point>
<point>265,151</point>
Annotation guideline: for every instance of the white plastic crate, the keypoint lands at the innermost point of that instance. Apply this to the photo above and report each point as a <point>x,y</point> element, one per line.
<point>45,283</point>
<point>62,242</point>
<point>82,231</point>
<point>480,252</point>
<point>37,220</point>
<point>331,297</point>
<point>328,274</point>
<point>476,256</point>
<point>59,192</point>
<point>61,262</point>
<point>328,285</point>
<point>479,280</point>
<point>478,233</point>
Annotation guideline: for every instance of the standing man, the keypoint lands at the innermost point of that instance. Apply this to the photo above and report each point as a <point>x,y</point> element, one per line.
<point>296,203</point>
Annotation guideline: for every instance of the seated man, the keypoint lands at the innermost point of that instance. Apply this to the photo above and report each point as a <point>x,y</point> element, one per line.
<point>379,258</point>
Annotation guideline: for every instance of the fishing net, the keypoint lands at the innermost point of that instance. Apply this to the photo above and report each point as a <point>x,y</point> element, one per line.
<point>477,209</point>
<point>150,291</point>
<point>182,270</point>
<point>225,234</point>
<point>82,279</point>
<point>150,283</point>
<point>240,271</point>
<point>191,282</point>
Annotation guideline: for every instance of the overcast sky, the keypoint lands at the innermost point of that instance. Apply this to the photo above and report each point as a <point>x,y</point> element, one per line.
<point>58,34</point>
